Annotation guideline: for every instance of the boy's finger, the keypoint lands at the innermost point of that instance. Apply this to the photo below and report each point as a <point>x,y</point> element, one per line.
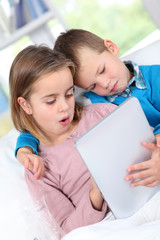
<point>36,163</point>
<point>139,166</point>
<point>149,145</point>
<point>138,175</point>
<point>39,174</point>
<point>143,182</point>
<point>157,140</point>
<point>153,184</point>
<point>26,164</point>
<point>30,167</point>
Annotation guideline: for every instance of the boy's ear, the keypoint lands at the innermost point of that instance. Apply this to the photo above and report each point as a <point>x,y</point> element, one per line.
<point>112,47</point>
<point>25,105</point>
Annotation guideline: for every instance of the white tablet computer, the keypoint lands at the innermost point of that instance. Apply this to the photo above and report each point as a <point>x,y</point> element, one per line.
<point>110,147</point>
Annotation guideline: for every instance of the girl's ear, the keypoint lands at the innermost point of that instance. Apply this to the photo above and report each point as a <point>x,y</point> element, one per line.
<point>25,105</point>
<point>112,47</point>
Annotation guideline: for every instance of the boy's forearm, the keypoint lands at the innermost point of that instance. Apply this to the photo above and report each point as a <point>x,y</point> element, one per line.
<point>25,149</point>
<point>27,140</point>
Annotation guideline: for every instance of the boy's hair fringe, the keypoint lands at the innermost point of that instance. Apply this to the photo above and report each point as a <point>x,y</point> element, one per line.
<point>72,41</point>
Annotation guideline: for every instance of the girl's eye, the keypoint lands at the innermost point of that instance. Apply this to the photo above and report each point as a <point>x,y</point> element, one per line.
<point>69,95</point>
<point>50,102</point>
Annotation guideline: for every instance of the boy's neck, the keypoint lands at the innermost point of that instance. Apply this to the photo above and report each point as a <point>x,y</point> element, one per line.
<point>130,70</point>
<point>131,75</point>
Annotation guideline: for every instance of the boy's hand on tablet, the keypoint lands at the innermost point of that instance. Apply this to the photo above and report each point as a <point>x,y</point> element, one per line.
<point>31,161</point>
<point>157,140</point>
<point>146,173</point>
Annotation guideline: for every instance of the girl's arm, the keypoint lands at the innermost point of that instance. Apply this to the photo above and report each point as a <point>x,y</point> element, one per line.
<point>67,211</point>
<point>96,196</point>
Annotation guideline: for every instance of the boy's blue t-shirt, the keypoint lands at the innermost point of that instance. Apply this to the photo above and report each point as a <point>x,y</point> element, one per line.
<point>149,99</point>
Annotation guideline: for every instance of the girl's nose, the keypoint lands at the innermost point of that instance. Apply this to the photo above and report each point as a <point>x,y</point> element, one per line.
<point>63,106</point>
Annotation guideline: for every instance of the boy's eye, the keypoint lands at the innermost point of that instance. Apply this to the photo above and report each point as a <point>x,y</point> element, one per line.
<point>102,70</point>
<point>92,87</point>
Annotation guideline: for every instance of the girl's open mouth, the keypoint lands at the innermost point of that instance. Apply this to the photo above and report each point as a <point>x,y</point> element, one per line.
<point>65,121</point>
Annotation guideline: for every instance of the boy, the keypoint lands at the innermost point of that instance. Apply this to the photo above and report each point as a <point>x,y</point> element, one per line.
<point>108,79</point>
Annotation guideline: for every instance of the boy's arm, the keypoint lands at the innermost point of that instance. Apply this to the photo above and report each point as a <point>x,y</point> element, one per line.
<point>27,140</point>
<point>26,146</point>
<point>157,134</point>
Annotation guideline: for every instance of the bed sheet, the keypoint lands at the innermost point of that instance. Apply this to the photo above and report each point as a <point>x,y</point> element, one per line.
<point>116,231</point>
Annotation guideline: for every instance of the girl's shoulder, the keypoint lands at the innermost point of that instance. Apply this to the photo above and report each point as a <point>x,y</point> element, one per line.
<point>92,114</point>
<point>98,110</point>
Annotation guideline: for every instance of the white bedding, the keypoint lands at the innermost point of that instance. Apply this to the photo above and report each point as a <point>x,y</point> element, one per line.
<point>21,220</point>
<point>116,231</point>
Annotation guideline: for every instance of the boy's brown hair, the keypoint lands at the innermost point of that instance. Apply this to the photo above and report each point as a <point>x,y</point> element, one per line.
<point>71,41</point>
<point>31,64</point>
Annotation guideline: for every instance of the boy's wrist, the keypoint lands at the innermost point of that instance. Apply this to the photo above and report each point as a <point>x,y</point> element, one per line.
<point>25,149</point>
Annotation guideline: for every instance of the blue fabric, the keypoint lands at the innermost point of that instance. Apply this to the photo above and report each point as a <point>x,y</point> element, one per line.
<point>148,97</point>
<point>27,140</point>
<point>137,79</point>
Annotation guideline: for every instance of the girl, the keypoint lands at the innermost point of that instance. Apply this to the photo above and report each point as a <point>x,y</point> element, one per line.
<point>42,103</point>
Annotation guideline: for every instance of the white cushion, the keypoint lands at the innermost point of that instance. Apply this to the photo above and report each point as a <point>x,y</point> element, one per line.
<point>20,219</point>
<point>148,55</point>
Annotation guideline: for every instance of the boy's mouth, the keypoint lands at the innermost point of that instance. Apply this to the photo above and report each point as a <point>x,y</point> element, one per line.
<point>114,87</point>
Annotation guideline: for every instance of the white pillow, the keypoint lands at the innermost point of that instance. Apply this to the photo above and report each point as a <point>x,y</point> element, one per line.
<point>145,56</point>
<point>20,219</point>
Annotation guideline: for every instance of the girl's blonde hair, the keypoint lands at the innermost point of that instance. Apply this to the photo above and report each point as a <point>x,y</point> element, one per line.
<point>28,66</point>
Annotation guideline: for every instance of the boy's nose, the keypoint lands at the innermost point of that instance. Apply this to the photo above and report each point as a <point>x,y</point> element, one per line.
<point>104,83</point>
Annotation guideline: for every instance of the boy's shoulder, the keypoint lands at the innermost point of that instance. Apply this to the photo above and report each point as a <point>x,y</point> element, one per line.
<point>95,98</point>
<point>151,73</point>
<point>150,67</point>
